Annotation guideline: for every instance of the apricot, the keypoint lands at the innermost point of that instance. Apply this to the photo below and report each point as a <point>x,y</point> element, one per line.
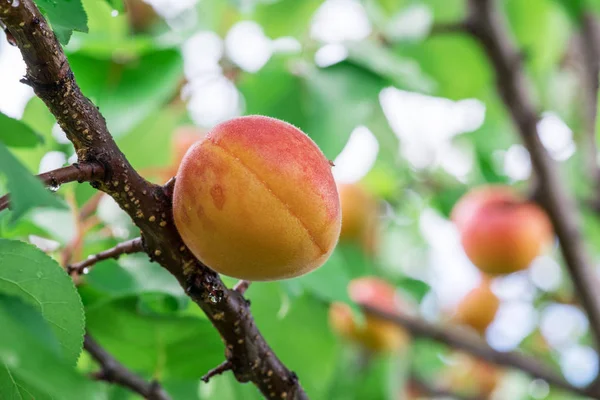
<point>359,216</point>
<point>501,232</point>
<point>376,334</point>
<point>478,308</point>
<point>256,200</point>
<point>472,376</point>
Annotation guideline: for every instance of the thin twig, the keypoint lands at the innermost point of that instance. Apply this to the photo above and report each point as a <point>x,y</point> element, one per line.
<point>445,28</point>
<point>90,206</point>
<point>114,372</point>
<point>488,26</point>
<point>84,172</point>
<point>475,346</point>
<point>127,247</point>
<point>241,286</point>
<point>218,370</point>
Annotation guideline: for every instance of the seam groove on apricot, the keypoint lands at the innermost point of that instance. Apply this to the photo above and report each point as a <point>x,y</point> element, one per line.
<point>262,182</point>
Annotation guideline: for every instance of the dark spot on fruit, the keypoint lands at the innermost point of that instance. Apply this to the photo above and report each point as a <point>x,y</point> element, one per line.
<point>216,192</point>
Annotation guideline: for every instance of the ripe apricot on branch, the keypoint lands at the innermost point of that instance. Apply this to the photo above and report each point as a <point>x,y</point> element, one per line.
<point>478,308</point>
<point>256,200</point>
<point>501,232</point>
<point>376,334</point>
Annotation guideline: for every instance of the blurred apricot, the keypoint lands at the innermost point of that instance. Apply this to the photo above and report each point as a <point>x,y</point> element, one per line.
<point>478,308</point>
<point>359,216</point>
<point>376,334</point>
<point>501,232</point>
<point>471,376</point>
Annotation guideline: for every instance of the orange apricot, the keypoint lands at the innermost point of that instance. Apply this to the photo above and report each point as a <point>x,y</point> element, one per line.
<point>471,376</point>
<point>478,308</point>
<point>256,200</point>
<point>501,233</point>
<point>376,334</point>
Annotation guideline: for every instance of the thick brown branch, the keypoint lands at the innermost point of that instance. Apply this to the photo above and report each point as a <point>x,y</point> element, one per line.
<point>149,205</point>
<point>488,26</point>
<point>477,347</point>
<point>113,371</point>
<point>84,172</point>
<point>128,247</point>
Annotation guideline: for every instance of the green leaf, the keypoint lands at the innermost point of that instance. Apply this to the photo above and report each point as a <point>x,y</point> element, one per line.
<point>541,30</point>
<point>455,61</point>
<point>379,377</point>
<point>402,72</point>
<point>274,91</point>
<point>109,36</point>
<point>162,346</point>
<point>26,191</point>
<point>143,153</point>
<point>384,378</point>
<point>14,133</point>
<point>133,275</point>
<point>417,289</point>
<point>286,17</point>
<point>116,4</point>
<point>329,282</point>
<point>65,16</point>
<point>30,362</point>
<point>486,166</point>
<point>128,93</point>
<point>339,98</point>
<point>38,280</point>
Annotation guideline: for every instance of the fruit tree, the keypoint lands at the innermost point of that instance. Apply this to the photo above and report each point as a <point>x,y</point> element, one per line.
<point>294,199</point>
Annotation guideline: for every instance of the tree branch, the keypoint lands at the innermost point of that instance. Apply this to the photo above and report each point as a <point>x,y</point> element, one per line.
<point>590,52</point>
<point>127,247</point>
<point>114,372</point>
<point>84,172</point>
<point>490,29</point>
<point>149,205</point>
<point>475,346</point>
<point>433,392</point>
<point>590,35</point>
